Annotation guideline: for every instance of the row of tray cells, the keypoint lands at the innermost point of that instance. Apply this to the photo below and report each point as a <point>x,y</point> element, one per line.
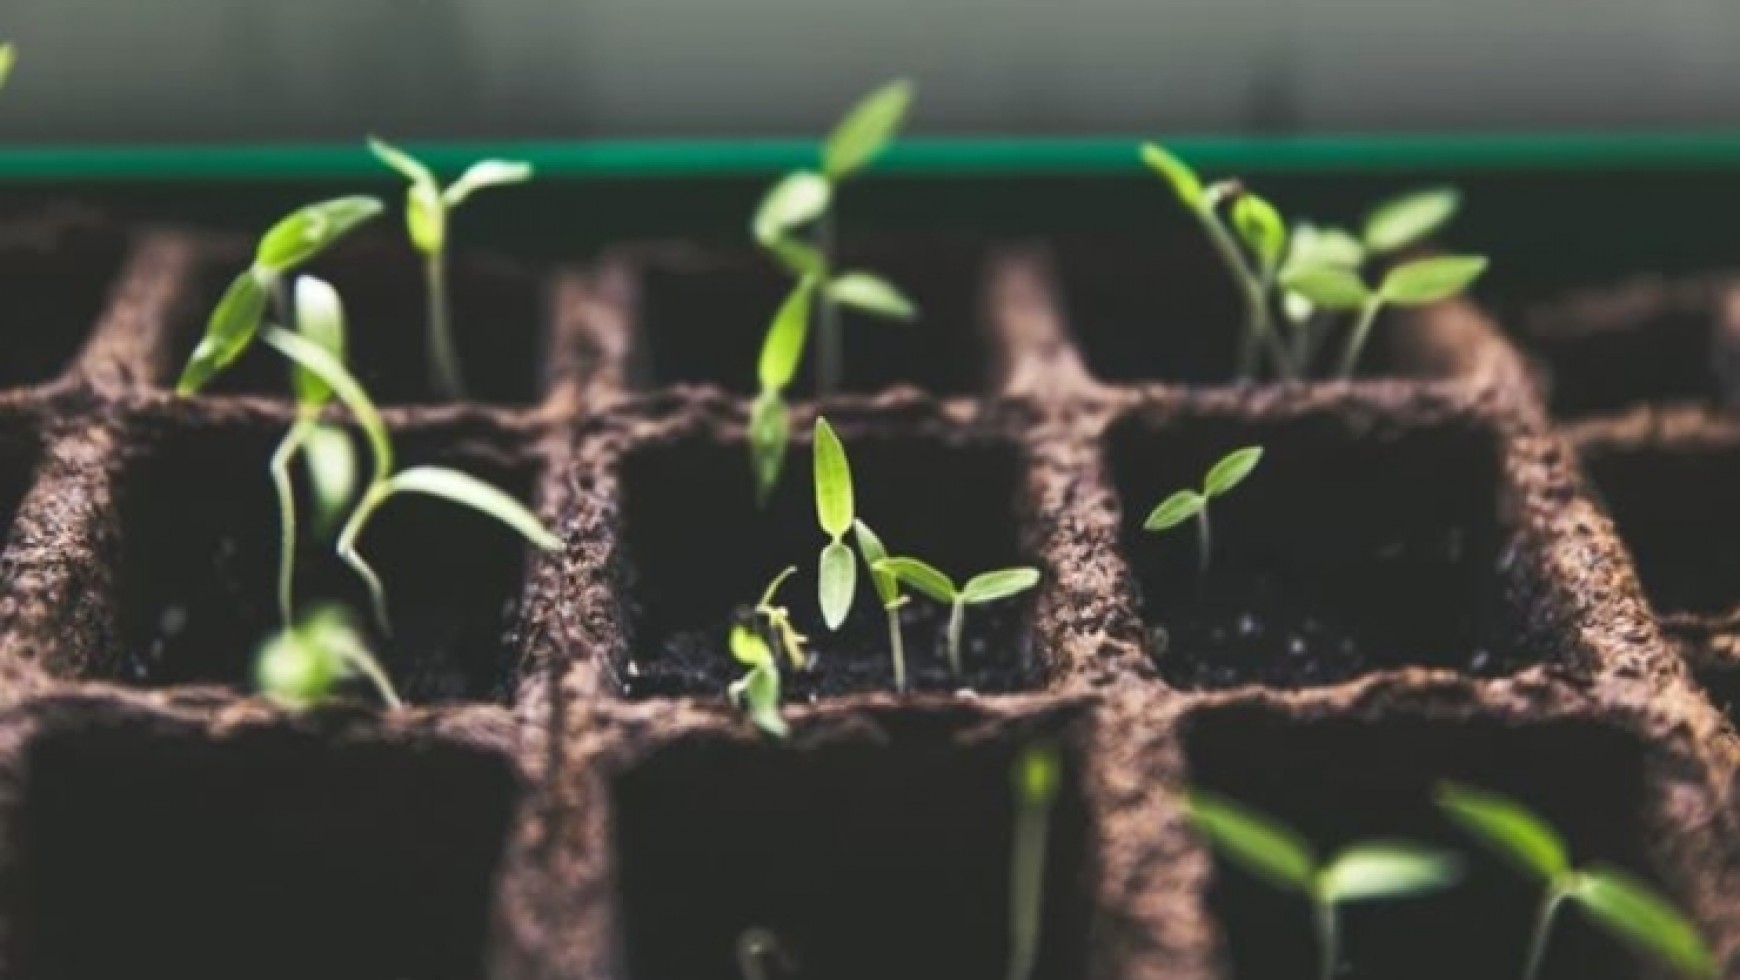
<point>145,850</point>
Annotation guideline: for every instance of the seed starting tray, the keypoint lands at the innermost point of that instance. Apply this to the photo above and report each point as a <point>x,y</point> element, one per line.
<point>1497,559</point>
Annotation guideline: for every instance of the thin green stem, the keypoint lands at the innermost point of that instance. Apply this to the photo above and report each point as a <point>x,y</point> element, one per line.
<point>957,625</point>
<point>897,648</point>
<point>1328,938</point>
<point>830,343</point>
<point>286,492</point>
<point>377,494</point>
<point>365,664</point>
<point>444,374</point>
<point>1356,340</point>
<point>1027,887</point>
<point>1259,328</point>
<point>1204,539</point>
<point>1543,929</point>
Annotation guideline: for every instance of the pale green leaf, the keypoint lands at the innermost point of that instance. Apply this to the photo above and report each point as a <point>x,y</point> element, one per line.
<point>305,353</point>
<point>833,475</point>
<point>769,435</point>
<point>1388,870</point>
<point>1254,841</point>
<point>757,692</point>
<point>798,199</point>
<point>1431,280</point>
<point>1184,181</point>
<point>1232,470</point>
<point>1410,219</point>
<point>426,218</point>
<point>749,648</point>
<point>228,333</point>
<point>1260,227</point>
<point>407,165</point>
<point>468,491</point>
<point>331,461</point>
<point>320,318</point>
<point>1509,828</point>
<point>1314,245</point>
<point>921,576</point>
<point>1037,774</point>
<point>1175,510</point>
<point>307,232</point>
<point>485,174</point>
<point>871,549</point>
<point>836,583</point>
<point>866,130</point>
<point>294,670</point>
<point>1328,286</point>
<point>8,58</point>
<point>871,294</point>
<point>1633,911</point>
<point>783,348</point>
<point>997,585</point>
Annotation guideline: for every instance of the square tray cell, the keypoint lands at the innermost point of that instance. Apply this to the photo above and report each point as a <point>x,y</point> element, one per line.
<point>1341,781</point>
<point>867,860</point>
<point>56,273</point>
<point>199,560</point>
<point>1350,549</point>
<point>703,315</point>
<point>698,552</point>
<point>498,319</point>
<point>142,852</point>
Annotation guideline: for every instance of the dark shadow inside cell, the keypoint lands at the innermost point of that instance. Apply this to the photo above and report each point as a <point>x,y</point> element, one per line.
<point>56,274</point>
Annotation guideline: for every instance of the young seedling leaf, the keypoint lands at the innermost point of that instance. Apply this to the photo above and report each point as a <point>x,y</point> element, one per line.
<point>833,476</point>
<point>749,649</point>
<point>229,331</point>
<point>1410,219</point>
<point>1254,841</point>
<point>1176,172</point>
<point>1387,870</point>
<point>1261,229</point>
<point>8,58</point>
<point>921,576</point>
<point>484,174</point>
<point>408,166</point>
<point>783,349</point>
<point>1633,911</point>
<point>1314,245</point>
<point>468,491</point>
<point>332,472</point>
<point>1175,510</point>
<point>798,199</point>
<point>871,549</point>
<point>1331,287</point>
<point>871,294</point>
<point>769,435</point>
<point>426,219</point>
<point>1231,470</point>
<point>1431,280</point>
<point>320,318</point>
<point>307,232</point>
<point>1509,828</point>
<point>993,586</point>
<point>866,130</point>
<point>757,691</point>
<point>837,582</point>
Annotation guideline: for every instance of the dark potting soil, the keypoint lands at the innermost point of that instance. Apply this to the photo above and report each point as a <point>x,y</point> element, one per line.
<point>56,271</point>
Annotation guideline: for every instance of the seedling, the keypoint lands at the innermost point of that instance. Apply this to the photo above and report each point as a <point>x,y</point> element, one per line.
<point>1037,772</point>
<point>887,586</point>
<point>980,589</point>
<point>757,692</point>
<point>756,949</point>
<point>776,622</point>
<point>1229,472</point>
<point>1372,871</point>
<point>286,246</point>
<point>301,664</point>
<point>1417,283</point>
<point>8,58</point>
<point>837,573</point>
<point>770,417</point>
<point>428,208</point>
<point>1617,902</point>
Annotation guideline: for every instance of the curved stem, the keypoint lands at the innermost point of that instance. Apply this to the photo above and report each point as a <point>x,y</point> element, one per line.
<point>1203,538</point>
<point>1356,340</point>
<point>1258,326</point>
<point>286,492</point>
<point>1543,929</point>
<point>897,647</point>
<point>957,625</point>
<point>376,495</point>
<point>830,343</point>
<point>1327,938</point>
<point>444,375</point>
<point>365,664</point>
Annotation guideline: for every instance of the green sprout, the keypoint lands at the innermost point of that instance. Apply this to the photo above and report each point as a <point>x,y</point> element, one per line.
<point>770,418</point>
<point>293,241</point>
<point>757,691</point>
<point>1614,900</point>
<point>756,948</point>
<point>428,208</point>
<point>837,574</point>
<point>8,58</point>
<point>1036,775</point>
<point>1361,872</point>
<point>887,586</point>
<point>776,621</point>
<point>1416,283</point>
<point>1229,472</point>
<point>301,664</point>
<point>980,589</point>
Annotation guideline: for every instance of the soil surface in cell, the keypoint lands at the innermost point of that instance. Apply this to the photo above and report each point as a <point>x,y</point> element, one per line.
<point>56,272</point>
<point>1675,510</point>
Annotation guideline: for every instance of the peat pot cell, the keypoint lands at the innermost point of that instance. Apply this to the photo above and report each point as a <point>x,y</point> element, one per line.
<point>1341,781</point>
<point>1348,550</point>
<point>498,323</point>
<point>56,276</point>
<point>199,565</point>
<point>141,853</point>
<point>1143,312</point>
<point>699,552</point>
<point>867,861</point>
<point>703,316</point>
<point>1674,508</point>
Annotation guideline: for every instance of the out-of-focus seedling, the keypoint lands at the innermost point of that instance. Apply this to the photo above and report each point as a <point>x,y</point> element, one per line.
<point>1614,900</point>
<point>770,417</point>
<point>757,948</point>
<point>286,246</point>
<point>1372,871</point>
<point>887,586</point>
<point>8,58</point>
<point>1416,283</point>
<point>428,209</point>
<point>1229,472</point>
<point>837,573</point>
<point>301,664</point>
<point>980,589</point>
<point>776,622</point>
<point>1036,775</point>
<point>757,691</point>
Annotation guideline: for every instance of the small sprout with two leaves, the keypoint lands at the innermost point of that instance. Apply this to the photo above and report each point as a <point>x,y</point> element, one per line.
<point>1613,900</point>
<point>775,622</point>
<point>887,586</point>
<point>286,246</point>
<point>757,949</point>
<point>1227,473</point>
<point>1416,283</point>
<point>1035,777</point>
<point>837,573</point>
<point>979,590</point>
<point>300,665</point>
<point>1377,870</point>
<point>757,691</point>
<point>428,208</point>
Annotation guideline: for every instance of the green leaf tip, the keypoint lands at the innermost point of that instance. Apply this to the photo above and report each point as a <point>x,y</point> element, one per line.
<point>1261,228</point>
<point>466,490</point>
<point>1430,280</point>
<point>1633,911</point>
<point>1181,506</point>
<point>998,585</point>
<point>229,331</point>
<point>1410,219</point>
<point>1183,180</point>
<point>1388,869</point>
<point>867,129</point>
<point>871,294</point>
<point>1231,470</point>
<point>1254,841</point>
<point>1510,829</point>
<point>921,576</point>
<point>1331,287</point>
<point>308,231</point>
<point>783,348</point>
<point>833,477</point>
<point>795,200</point>
<point>837,583</point>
